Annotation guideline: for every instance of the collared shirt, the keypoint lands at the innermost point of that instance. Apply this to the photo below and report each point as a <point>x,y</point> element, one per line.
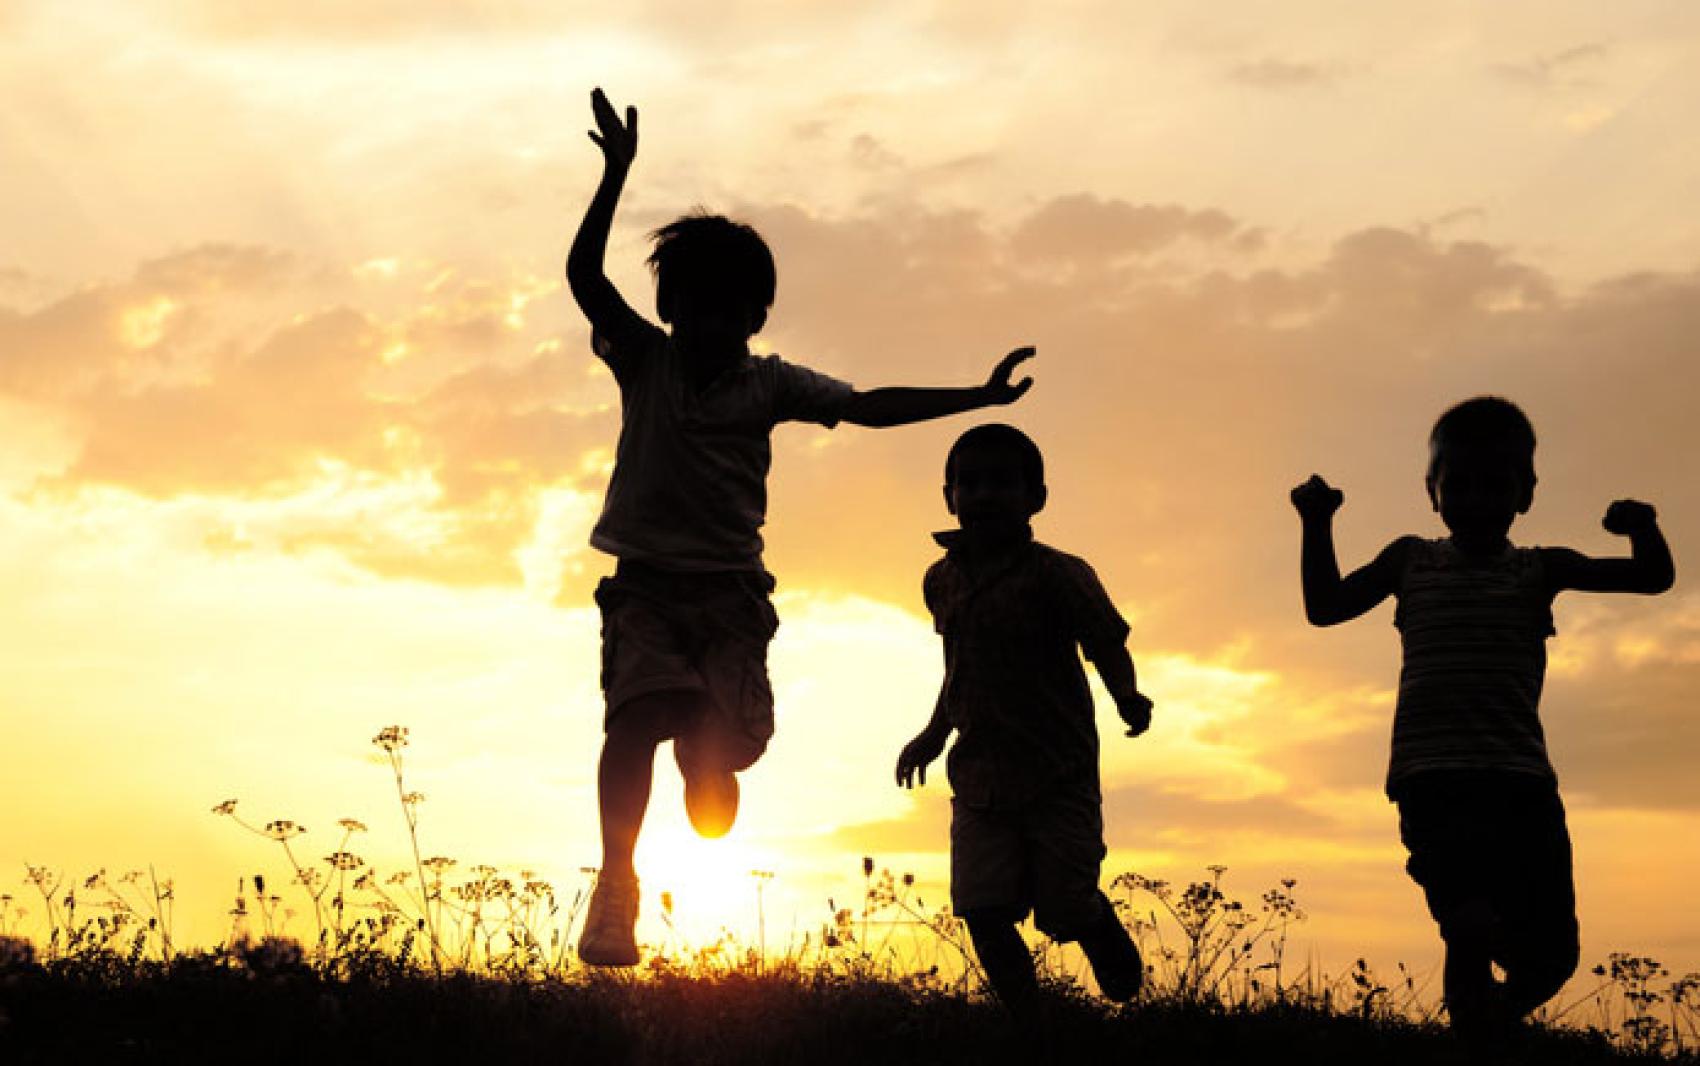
<point>689,488</point>
<point>1015,690</point>
<point>1474,634</point>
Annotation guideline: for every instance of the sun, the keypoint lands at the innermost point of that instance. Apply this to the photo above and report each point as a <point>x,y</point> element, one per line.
<point>694,888</point>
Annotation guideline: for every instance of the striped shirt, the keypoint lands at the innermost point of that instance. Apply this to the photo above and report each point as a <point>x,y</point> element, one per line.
<point>1474,635</point>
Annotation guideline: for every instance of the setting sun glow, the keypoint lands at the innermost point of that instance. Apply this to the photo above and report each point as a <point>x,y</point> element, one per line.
<point>301,435</point>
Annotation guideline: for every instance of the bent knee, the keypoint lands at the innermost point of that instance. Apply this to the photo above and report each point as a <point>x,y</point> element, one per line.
<point>1543,969</point>
<point>654,717</point>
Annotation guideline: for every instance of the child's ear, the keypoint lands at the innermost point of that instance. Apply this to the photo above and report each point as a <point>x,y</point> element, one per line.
<point>757,321</point>
<point>949,501</point>
<point>1527,499</point>
<point>1036,500</point>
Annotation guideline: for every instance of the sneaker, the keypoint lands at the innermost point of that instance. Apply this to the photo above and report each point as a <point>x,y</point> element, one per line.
<point>1115,960</point>
<point>711,794</point>
<point>608,939</point>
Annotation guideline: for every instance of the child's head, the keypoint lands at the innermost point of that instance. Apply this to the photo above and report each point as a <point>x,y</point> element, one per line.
<point>1481,470</point>
<point>994,475</point>
<point>714,278</point>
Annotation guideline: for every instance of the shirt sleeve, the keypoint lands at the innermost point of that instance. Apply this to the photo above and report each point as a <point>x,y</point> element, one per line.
<point>932,590</point>
<point>1087,609</point>
<point>624,345</point>
<point>804,395</point>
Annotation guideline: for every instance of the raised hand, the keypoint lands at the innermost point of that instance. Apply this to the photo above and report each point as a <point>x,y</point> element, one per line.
<point>1627,517</point>
<point>912,763</point>
<point>617,140</point>
<point>1317,499</point>
<point>998,389</point>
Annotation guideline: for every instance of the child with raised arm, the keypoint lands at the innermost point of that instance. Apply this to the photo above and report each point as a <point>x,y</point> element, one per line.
<point>1026,825</point>
<point>1479,810</point>
<point>686,617</point>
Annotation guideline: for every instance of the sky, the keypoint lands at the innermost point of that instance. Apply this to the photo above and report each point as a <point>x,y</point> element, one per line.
<point>301,437</point>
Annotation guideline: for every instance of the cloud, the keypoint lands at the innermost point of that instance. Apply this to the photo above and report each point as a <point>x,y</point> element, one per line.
<point>1570,68</point>
<point>199,376</point>
<point>327,19</point>
<point>1086,229</point>
<point>1176,404</point>
<point>1282,74</point>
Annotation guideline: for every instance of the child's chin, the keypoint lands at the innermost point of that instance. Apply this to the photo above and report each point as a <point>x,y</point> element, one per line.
<point>995,524</point>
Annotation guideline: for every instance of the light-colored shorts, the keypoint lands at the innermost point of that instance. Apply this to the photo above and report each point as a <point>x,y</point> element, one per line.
<point>1042,857</point>
<point>698,635</point>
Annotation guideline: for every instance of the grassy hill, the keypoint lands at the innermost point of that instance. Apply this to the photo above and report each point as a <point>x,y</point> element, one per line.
<point>212,1008</point>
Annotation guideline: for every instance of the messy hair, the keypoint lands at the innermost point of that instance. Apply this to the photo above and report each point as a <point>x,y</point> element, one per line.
<point>725,262</point>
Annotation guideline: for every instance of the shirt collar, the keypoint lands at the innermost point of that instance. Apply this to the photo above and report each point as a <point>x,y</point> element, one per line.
<point>960,540</point>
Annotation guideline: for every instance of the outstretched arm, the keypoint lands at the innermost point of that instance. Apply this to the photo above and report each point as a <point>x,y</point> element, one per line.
<point>1329,598</point>
<point>1649,568</point>
<point>601,302</point>
<point>900,406</point>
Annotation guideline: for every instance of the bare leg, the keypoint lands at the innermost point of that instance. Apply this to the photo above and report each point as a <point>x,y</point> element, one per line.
<point>625,773</point>
<point>1008,963</point>
<point>1474,999</point>
<point>1534,976</point>
<point>1115,960</point>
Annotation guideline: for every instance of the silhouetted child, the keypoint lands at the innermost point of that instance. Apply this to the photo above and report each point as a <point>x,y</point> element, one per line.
<point>686,618</point>
<point>1478,801</point>
<point>1026,826</point>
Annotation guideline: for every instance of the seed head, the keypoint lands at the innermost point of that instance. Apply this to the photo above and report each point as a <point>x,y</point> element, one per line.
<point>391,738</point>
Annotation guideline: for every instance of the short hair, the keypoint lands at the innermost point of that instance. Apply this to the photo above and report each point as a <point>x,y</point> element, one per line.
<point>997,436</point>
<point>725,261</point>
<point>1485,421</point>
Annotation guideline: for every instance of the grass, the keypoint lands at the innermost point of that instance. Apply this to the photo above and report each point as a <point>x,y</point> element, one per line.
<point>435,964</point>
<point>209,1008</point>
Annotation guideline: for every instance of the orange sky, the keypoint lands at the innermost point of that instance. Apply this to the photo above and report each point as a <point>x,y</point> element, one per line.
<point>300,435</point>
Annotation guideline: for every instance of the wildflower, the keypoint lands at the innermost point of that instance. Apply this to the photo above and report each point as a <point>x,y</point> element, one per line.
<point>352,825</point>
<point>867,866</point>
<point>667,903</point>
<point>438,863</point>
<point>343,860</point>
<point>283,829</point>
<point>413,799</point>
<point>227,807</point>
<point>391,738</point>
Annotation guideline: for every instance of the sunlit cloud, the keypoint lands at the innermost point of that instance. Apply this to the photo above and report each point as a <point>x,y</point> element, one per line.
<point>303,437</point>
